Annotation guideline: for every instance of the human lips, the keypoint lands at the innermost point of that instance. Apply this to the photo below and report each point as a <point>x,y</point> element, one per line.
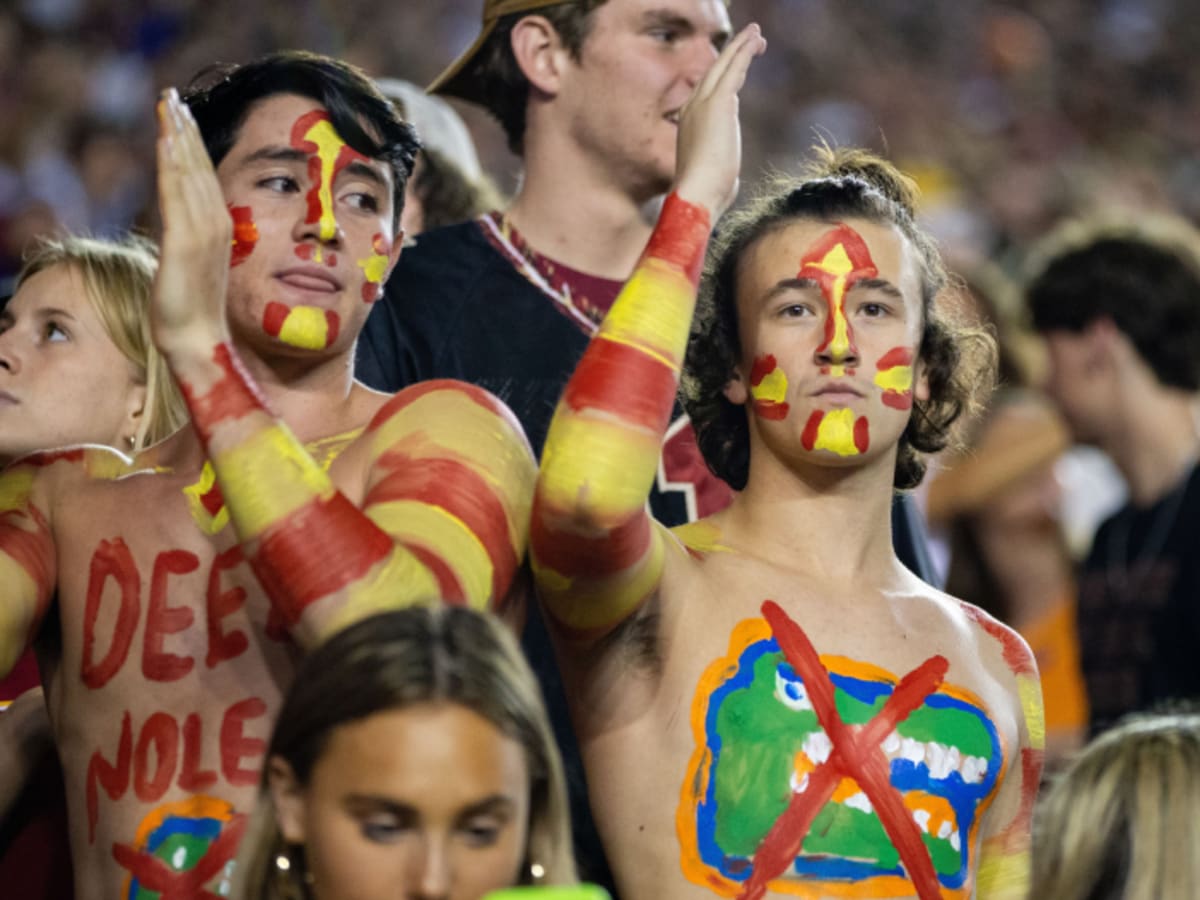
<point>310,278</point>
<point>836,390</point>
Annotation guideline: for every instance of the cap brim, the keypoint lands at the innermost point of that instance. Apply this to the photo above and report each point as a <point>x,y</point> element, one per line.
<point>459,78</point>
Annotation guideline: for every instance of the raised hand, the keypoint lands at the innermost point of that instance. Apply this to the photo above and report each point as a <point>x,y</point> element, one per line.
<point>709,150</point>
<point>188,312</point>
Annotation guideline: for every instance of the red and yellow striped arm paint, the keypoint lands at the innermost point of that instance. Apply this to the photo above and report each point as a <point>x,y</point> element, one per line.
<point>448,489</point>
<point>1004,863</point>
<point>597,554</point>
<point>27,563</point>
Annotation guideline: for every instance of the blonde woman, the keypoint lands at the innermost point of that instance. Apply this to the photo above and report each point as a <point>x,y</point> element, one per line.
<point>76,361</point>
<point>412,757</point>
<point>1121,821</point>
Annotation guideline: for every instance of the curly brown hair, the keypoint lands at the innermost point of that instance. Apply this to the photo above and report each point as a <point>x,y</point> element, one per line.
<point>959,362</point>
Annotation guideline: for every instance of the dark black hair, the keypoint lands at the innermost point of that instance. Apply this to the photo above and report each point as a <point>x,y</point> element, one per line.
<point>221,97</point>
<point>959,363</point>
<point>1145,278</point>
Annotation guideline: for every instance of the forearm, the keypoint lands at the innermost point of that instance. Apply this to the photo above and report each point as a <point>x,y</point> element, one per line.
<point>591,532</point>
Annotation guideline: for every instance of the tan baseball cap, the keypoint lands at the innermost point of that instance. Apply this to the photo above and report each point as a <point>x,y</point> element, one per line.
<point>459,79</point>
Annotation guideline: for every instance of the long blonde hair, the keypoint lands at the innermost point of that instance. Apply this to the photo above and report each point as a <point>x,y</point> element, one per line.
<point>1122,822</point>
<point>402,658</point>
<point>118,275</point>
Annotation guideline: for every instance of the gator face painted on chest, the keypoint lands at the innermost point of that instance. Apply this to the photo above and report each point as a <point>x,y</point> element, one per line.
<point>832,777</point>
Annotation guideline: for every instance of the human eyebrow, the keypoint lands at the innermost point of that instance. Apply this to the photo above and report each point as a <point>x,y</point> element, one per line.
<point>789,284</point>
<point>666,18</point>
<point>879,284</point>
<point>495,805</point>
<point>369,803</point>
<point>362,170</point>
<point>275,154</point>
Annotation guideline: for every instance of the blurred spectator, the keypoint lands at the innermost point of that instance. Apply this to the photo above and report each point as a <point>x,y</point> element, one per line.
<point>1120,822</point>
<point>997,499</point>
<point>448,185</point>
<point>437,771</point>
<point>1119,307</point>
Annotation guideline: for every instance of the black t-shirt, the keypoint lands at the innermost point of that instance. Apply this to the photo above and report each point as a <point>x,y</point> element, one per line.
<point>1139,606</point>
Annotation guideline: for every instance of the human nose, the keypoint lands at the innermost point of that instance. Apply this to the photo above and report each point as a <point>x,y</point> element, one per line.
<point>431,874</point>
<point>10,360</point>
<point>838,347</point>
<point>318,221</point>
<point>699,59</point>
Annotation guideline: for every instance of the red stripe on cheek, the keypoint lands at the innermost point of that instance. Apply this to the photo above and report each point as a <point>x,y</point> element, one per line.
<point>580,556</point>
<point>245,234</point>
<point>681,236</point>
<point>862,436</point>
<point>769,409</point>
<point>332,324</point>
<point>625,381</point>
<point>232,397</point>
<point>901,400</point>
<point>763,366</point>
<point>273,318</point>
<point>897,356</point>
<point>317,551</point>
<point>808,439</point>
<point>458,489</point>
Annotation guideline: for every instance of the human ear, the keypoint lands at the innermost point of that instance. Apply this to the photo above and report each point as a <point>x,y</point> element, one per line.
<point>539,53</point>
<point>287,799</point>
<point>135,408</point>
<point>735,389</point>
<point>920,387</point>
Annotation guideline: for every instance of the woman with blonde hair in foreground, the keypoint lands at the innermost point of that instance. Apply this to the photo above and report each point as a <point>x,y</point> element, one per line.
<point>1122,822</point>
<point>412,757</point>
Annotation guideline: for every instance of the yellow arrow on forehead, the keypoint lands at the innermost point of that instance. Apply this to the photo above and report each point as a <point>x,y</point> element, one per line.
<point>329,146</point>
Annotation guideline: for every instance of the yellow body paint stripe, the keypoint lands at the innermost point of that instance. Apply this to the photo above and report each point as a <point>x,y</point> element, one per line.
<point>658,327</point>
<point>399,581</point>
<point>594,448</point>
<point>837,262</point>
<point>1029,689</point>
<point>1003,876</point>
<point>16,612</point>
<point>836,433</point>
<point>15,487</point>
<point>897,378</point>
<point>267,478</point>
<point>206,521</point>
<point>445,536</point>
<point>305,327</point>
<point>374,267</point>
<point>703,537</point>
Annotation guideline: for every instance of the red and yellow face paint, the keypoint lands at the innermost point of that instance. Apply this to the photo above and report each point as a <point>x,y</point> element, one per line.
<point>245,234</point>
<point>835,262</point>
<point>375,268</point>
<point>307,327</point>
<point>894,375</point>
<point>768,388</point>
<point>314,134</point>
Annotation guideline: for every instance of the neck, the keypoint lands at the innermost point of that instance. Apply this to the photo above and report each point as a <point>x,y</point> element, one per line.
<point>578,213</point>
<point>313,397</point>
<point>1158,443</point>
<point>833,523</point>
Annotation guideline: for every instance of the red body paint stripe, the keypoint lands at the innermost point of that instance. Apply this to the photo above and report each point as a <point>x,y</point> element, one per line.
<point>156,876</point>
<point>808,438</point>
<point>681,236</point>
<point>579,556</point>
<point>232,397</point>
<point>462,492</point>
<point>857,754</point>
<point>317,551</point>
<point>50,457</point>
<point>1016,654</point>
<point>625,381</point>
<point>862,434</point>
<point>304,251</point>
<point>763,366</point>
<point>897,399</point>
<point>212,500</point>
<point>413,393</point>
<point>448,585</point>
<point>897,356</point>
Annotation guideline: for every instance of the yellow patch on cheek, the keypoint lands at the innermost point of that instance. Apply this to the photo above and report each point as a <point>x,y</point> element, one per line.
<point>772,388</point>
<point>305,327</point>
<point>897,378</point>
<point>836,433</point>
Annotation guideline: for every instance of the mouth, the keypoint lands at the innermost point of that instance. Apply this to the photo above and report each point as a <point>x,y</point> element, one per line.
<point>837,392</point>
<point>311,279</point>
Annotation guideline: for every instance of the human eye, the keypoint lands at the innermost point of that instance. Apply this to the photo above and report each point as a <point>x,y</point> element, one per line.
<point>364,200</point>
<point>482,831</point>
<point>795,311</point>
<point>53,332</point>
<point>381,828</point>
<point>281,184</point>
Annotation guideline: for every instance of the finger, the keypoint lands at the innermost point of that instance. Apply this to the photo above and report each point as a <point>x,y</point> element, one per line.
<point>749,37</point>
<point>168,163</point>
